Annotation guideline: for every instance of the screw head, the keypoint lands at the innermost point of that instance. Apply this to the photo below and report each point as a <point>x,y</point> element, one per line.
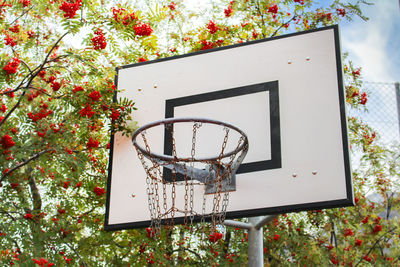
<point>133,195</point>
<point>139,89</point>
<point>289,61</point>
<point>314,172</point>
<point>308,58</point>
<point>294,175</point>
<point>155,85</point>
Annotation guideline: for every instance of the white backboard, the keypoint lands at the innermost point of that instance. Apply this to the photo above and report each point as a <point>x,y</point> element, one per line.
<point>286,93</point>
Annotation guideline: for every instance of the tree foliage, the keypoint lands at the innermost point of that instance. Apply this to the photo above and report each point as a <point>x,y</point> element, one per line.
<point>57,111</point>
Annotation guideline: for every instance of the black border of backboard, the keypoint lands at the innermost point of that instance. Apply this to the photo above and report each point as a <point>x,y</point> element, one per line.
<point>348,201</point>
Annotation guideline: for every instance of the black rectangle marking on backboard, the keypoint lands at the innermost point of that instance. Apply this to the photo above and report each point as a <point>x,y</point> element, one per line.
<point>275,133</point>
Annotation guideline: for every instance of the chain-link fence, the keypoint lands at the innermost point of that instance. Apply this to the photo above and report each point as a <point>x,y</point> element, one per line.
<point>382,111</point>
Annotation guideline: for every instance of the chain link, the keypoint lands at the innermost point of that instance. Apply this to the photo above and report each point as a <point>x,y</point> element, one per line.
<point>149,182</point>
<point>186,197</point>
<point>164,186</point>
<point>224,144</point>
<point>203,209</point>
<point>173,195</point>
<point>229,167</point>
<point>216,216</point>
<point>196,126</point>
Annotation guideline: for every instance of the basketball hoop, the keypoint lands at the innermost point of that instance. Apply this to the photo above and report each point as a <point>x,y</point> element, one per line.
<point>184,164</point>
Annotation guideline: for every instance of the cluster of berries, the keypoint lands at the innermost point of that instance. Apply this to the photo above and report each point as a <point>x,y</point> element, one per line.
<point>70,9</point>
<point>99,41</point>
<point>12,66</point>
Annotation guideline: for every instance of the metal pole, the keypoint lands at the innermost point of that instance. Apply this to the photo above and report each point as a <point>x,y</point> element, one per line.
<point>255,250</point>
<point>397,89</point>
<point>255,234</point>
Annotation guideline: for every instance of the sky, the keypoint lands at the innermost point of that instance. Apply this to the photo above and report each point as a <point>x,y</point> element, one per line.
<point>375,45</point>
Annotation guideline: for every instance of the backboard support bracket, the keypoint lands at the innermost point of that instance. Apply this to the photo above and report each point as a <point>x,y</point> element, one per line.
<point>227,185</point>
<point>255,234</point>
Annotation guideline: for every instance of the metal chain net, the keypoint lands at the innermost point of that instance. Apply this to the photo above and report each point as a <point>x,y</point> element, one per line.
<point>162,192</point>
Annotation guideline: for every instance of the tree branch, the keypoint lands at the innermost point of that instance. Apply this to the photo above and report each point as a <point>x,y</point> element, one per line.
<point>51,51</point>
<point>13,108</point>
<point>85,213</point>
<point>188,249</point>
<point>30,81</point>
<point>22,15</point>
<point>27,66</point>
<point>8,214</point>
<point>389,205</point>
<point>23,80</point>
<point>36,198</point>
<point>262,17</point>
<point>24,163</point>
<point>39,89</point>
<point>375,244</point>
<point>227,240</point>
<point>57,58</point>
<point>283,24</point>
<point>79,256</point>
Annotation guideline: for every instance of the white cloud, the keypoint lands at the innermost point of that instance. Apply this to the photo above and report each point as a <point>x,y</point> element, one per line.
<point>368,42</point>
